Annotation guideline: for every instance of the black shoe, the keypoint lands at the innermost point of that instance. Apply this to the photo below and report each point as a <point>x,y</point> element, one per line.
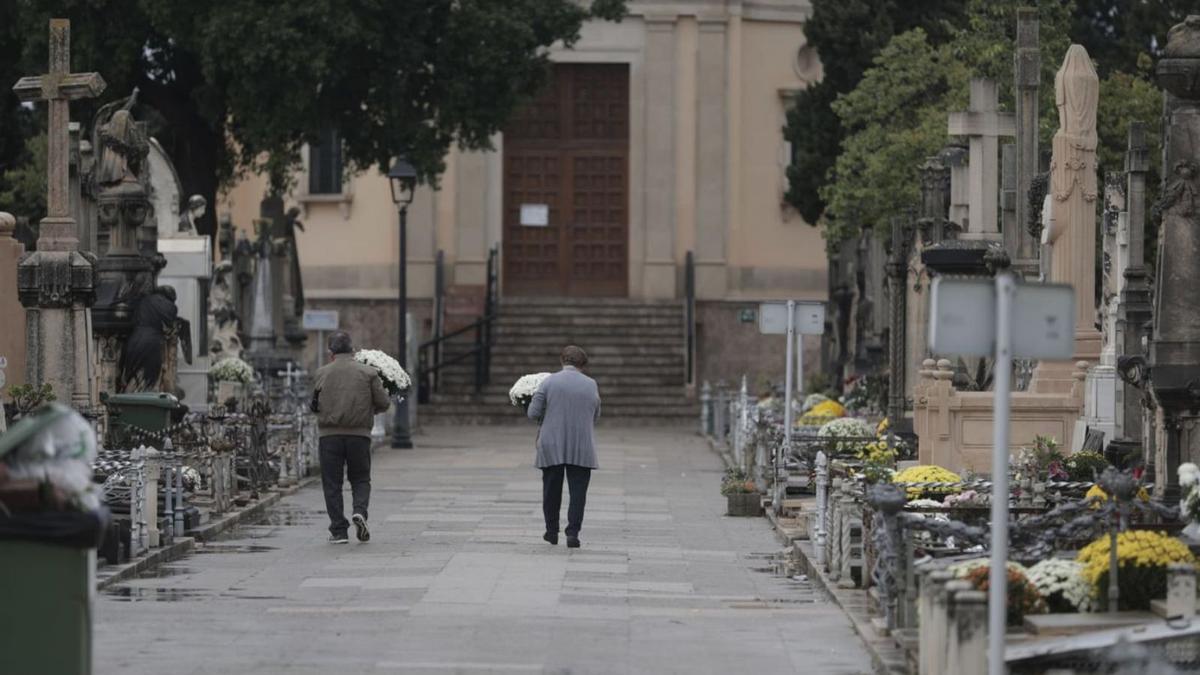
<point>339,538</point>
<point>360,527</point>
<point>572,542</point>
<point>551,537</point>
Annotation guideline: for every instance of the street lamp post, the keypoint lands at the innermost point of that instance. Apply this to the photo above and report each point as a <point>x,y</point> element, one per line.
<point>403,180</point>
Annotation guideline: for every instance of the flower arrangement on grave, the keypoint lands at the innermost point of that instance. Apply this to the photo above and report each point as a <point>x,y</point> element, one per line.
<point>879,462</point>
<point>927,473</point>
<point>1096,494</point>
<point>967,498</point>
<point>1023,595</point>
<point>821,413</point>
<point>526,386</point>
<point>1189,483</point>
<point>865,393</point>
<point>1062,584</point>
<point>1043,461</point>
<point>1142,557</point>
<point>847,435</point>
<point>812,400</point>
<point>395,380</point>
<point>737,482</point>
<point>1085,465</point>
<point>232,369</point>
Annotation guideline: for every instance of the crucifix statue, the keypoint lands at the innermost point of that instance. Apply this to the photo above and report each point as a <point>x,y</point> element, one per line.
<point>56,283</point>
<point>57,87</point>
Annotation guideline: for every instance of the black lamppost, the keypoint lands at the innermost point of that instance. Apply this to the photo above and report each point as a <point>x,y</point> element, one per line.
<point>403,179</point>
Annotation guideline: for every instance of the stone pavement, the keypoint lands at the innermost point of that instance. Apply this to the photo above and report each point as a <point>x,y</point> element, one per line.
<point>457,579</point>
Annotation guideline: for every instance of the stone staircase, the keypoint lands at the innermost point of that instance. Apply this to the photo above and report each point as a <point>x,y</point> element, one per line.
<point>635,349</point>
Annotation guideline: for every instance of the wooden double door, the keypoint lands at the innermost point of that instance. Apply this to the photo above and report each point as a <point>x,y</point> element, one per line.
<point>566,186</point>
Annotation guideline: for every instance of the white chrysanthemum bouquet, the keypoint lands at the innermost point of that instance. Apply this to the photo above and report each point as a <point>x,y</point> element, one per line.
<point>395,380</point>
<point>1062,584</point>
<point>232,369</point>
<point>522,392</point>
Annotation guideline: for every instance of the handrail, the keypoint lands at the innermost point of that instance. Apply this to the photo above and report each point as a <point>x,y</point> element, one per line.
<point>689,308</point>
<point>439,307</point>
<point>432,360</point>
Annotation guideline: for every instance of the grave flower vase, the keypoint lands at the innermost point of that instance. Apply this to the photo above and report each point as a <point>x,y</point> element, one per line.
<point>744,504</point>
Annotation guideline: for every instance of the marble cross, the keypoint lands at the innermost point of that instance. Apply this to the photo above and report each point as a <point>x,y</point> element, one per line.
<point>983,124</point>
<point>57,87</point>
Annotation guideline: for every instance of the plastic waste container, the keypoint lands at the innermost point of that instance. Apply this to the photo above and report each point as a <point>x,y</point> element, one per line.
<point>48,558</point>
<point>152,411</point>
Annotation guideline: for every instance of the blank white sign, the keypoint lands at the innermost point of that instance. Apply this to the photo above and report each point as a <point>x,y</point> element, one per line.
<point>535,215</point>
<point>810,318</point>
<point>320,319</point>
<point>962,319</point>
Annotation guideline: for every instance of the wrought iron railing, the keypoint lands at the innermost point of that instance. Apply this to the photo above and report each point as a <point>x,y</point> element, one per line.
<point>432,356</point>
<point>689,315</point>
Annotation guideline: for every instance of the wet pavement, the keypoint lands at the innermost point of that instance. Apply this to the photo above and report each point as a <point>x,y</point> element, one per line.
<point>457,579</point>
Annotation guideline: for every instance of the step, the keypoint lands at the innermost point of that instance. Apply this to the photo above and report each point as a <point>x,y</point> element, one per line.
<point>595,352</point>
<point>506,375</point>
<point>615,410</point>
<point>507,320</point>
<point>456,420</point>
<point>502,357</point>
<point>520,330</point>
<point>584,303</point>
<point>627,387</point>
<point>614,393</point>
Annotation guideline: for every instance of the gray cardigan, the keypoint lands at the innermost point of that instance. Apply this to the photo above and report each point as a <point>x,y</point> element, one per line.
<point>567,405</point>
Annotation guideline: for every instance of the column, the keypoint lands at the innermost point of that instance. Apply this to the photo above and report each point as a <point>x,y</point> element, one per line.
<point>712,208</point>
<point>659,278</point>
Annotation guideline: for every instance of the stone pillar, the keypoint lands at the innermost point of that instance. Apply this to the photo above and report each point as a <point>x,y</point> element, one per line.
<point>12,314</point>
<point>897,277</point>
<point>1176,338</point>
<point>931,629</point>
<point>712,193</point>
<point>967,654</point>
<point>1073,211</point>
<point>659,279</point>
<point>1134,311</point>
<point>1022,247</point>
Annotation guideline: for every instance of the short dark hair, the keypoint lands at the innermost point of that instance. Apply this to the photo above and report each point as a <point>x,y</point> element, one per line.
<point>573,356</point>
<point>340,342</point>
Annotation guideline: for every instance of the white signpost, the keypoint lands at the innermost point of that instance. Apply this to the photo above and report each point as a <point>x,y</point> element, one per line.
<point>975,318</point>
<point>320,320</point>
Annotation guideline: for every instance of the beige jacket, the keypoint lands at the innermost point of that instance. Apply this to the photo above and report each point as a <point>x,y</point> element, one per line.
<point>346,396</point>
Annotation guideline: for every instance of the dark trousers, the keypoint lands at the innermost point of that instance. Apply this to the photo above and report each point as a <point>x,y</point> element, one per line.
<point>578,478</point>
<point>353,454</point>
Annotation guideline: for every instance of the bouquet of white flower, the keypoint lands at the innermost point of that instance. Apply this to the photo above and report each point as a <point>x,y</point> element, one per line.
<point>395,380</point>
<point>522,392</point>
<point>232,369</point>
<point>1062,584</point>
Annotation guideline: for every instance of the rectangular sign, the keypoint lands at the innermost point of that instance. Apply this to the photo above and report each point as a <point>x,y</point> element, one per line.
<point>809,319</point>
<point>962,319</point>
<point>320,319</point>
<point>535,215</point>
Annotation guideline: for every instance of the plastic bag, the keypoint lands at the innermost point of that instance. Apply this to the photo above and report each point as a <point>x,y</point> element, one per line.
<point>60,450</point>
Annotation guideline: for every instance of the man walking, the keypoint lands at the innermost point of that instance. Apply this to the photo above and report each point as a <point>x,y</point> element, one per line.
<point>567,405</point>
<point>346,396</point>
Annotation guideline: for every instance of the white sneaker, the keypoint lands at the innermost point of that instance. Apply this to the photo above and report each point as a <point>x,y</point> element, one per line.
<point>360,527</point>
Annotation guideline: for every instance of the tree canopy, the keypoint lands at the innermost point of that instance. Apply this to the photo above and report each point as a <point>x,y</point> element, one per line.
<point>235,85</point>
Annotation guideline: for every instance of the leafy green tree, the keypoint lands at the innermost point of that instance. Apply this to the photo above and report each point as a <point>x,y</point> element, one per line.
<point>847,35</point>
<point>1120,33</point>
<point>242,84</point>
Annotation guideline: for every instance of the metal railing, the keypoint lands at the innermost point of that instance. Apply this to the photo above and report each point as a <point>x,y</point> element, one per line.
<point>689,318</point>
<point>432,359</point>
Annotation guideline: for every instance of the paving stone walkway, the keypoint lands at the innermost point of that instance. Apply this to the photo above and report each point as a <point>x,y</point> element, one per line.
<point>458,580</point>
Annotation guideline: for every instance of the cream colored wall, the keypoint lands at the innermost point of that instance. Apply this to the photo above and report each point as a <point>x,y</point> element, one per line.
<point>729,67</point>
<point>773,253</point>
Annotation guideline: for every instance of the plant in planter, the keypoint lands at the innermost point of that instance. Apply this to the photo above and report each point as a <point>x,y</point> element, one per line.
<point>1042,461</point>
<point>1142,559</point>
<point>26,398</point>
<point>1062,584</point>
<point>231,375</point>
<point>740,493</point>
<point>928,473</point>
<point>1023,596</point>
<point>1085,465</point>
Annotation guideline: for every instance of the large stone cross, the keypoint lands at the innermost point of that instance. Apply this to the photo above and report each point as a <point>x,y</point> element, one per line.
<point>57,87</point>
<point>983,124</point>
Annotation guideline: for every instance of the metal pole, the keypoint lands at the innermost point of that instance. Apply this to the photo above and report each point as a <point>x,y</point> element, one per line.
<point>800,366</point>
<point>400,435</point>
<point>788,384</point>
<point>998,587</point>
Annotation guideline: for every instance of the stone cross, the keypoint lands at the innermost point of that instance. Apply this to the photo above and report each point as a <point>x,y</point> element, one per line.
<point>983,124</point>
<point>57,87</point>
<point>1021,245</point>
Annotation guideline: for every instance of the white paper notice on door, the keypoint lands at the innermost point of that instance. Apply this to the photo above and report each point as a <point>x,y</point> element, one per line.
<point>535,215</point>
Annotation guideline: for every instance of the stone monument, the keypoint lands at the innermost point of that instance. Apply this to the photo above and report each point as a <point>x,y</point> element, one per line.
<point>56,283</point>
<point>1022,246</point>
<point>1175,344</point>
<point>1073,212</point>
<point>984,125</point>
<point>12,314</point>
<point>1134,309</point>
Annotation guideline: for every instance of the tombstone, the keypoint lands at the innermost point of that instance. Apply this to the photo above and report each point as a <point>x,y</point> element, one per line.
<point>1072,219</point>
<point>56,283</point>
<point>897,287</point>
<point>12,314</point>
<point>1175,367</point>
<point>872,307</point>
<point>983,124</point>
<point>930,229</point>
<point>1103,389</point>
<point>188,270</point>
<point>1022,246</point>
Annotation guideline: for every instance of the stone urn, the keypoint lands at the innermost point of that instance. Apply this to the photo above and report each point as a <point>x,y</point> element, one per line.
<point>744,504</point>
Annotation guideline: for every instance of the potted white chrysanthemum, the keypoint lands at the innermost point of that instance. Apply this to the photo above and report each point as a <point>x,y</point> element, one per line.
<point>395,380</point>
<point>522,392</point>
<point>231,375</point>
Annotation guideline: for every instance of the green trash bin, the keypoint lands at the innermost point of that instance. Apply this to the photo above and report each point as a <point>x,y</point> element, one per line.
<point>152,411</point>
<point>47,576</point>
